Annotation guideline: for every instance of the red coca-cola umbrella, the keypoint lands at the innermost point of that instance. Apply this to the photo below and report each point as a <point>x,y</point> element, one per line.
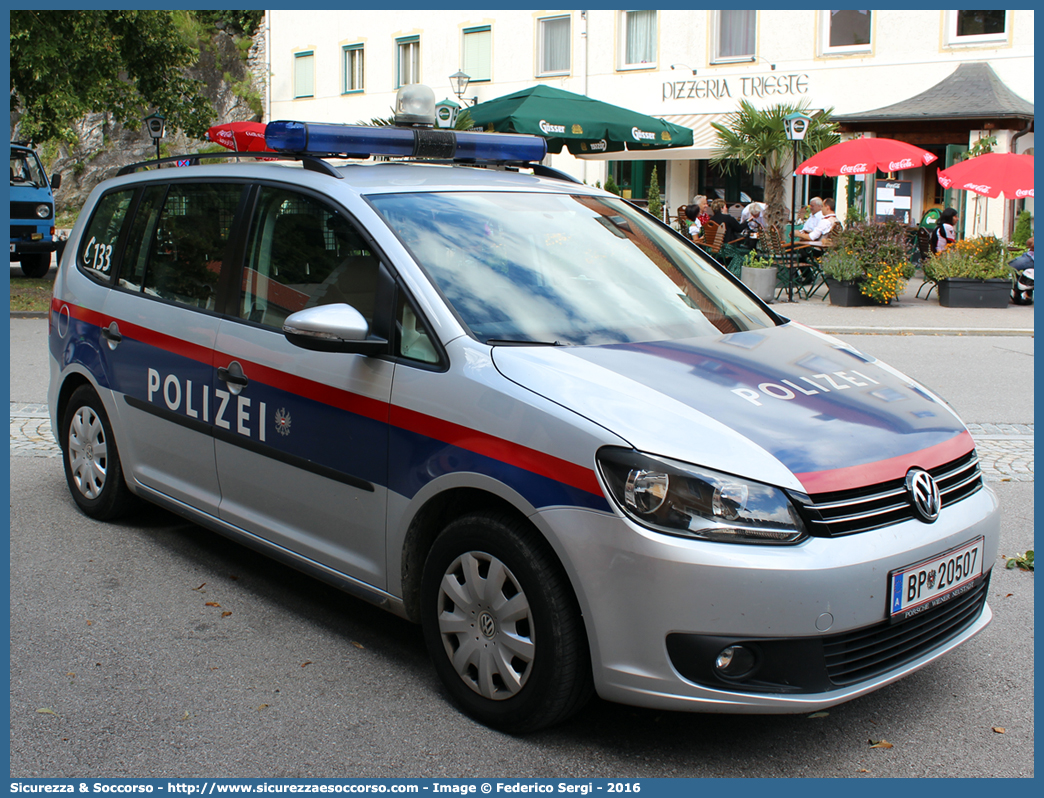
<point>240,136</point>
<point>865,156</point>
<point>991,174</point>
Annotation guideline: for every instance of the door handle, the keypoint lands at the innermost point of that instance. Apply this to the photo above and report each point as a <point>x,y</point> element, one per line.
<point>233,377</point>
<point>112,334</point>
<point>228,375</point>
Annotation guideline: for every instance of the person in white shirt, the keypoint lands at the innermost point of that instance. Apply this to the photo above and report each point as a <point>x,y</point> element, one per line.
<point>815,215</point>
<point>825,224</point>
<point>753,216</point>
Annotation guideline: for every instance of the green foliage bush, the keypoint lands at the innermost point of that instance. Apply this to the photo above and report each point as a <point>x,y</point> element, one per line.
<point>874,253</point>
<point>980,258</point>
<point>1023,229</point>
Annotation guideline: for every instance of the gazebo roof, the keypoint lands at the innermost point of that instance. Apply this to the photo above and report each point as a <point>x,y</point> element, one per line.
<point>973,91</point>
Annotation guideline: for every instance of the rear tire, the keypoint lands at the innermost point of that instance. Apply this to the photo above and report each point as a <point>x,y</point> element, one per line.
<point>36,265</point>
<point>92,462</point>
<point>502,624</point>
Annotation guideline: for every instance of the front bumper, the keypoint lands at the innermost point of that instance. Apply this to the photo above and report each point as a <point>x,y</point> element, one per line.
<point>655,606</point>
<point>33,247</point>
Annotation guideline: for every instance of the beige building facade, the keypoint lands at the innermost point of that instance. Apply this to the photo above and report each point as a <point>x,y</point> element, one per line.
<point>688,67</point>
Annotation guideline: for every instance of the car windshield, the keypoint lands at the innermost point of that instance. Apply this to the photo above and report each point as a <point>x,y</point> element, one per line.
<point>25,170</point>
<point>565,269</point>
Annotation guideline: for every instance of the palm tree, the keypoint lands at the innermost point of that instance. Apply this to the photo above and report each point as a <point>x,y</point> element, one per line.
<point>756,139</point>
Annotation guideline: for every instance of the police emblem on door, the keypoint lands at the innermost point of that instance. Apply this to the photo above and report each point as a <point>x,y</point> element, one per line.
<point>282,422</point>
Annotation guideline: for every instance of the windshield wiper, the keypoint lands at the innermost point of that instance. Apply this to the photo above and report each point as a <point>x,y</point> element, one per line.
<point>519,342</point>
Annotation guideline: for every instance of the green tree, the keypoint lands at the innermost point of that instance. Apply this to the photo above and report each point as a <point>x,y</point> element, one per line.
<point>655,204</point>
<point>756,139</point>
<point>65,64</point>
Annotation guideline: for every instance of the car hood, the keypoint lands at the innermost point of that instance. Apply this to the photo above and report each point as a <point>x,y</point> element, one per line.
<point>786,405</point>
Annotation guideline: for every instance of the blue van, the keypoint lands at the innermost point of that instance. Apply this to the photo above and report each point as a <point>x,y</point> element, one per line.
<point>32,212</point>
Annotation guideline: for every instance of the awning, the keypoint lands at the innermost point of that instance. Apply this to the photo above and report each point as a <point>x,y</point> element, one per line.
<point>704,139</point>
<point>581,123</point>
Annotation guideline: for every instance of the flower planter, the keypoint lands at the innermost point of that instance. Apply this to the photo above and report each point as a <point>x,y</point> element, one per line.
<point>967,292</point>
<point>845,293</point>
<point>762,282</point>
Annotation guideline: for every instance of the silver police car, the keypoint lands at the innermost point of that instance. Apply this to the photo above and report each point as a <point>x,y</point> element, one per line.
<point>522,413</point>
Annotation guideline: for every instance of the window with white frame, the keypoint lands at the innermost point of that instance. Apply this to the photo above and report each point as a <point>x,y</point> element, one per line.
<point>477,53</point>
<point>408,64</point>
<point>845,31</point>
<point>304,74</point>
<point>354,68</point>
<point>976,27</point>
<point>735,36</point>
<point>553,40</point>
<point>637,39</point>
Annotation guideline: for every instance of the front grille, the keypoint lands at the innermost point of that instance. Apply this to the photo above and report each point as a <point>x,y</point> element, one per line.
<point>860,510</point>
<point>27,210</point>
<point>25,232</point>
<point>865,653</point>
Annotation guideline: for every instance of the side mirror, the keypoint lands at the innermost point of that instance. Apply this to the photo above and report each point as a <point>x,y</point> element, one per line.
<point>332,328</point>
<point>56,181</point>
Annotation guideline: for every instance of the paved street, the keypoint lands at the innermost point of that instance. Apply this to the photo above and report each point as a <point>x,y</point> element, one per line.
<point>151,647</point>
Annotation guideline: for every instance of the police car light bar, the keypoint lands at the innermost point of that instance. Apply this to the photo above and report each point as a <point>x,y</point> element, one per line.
<point>362,141</point>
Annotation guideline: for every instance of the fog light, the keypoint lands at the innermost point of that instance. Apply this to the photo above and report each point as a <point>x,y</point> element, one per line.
<point>734,662</point>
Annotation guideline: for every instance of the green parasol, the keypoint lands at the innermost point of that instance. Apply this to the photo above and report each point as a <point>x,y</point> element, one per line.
<point>583,125</point>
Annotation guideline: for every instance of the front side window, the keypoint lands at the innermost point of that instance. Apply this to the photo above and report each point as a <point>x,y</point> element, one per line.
<point>976,27</point>
<point>477,54</point>
<point>569,270</point>
<point>304,75</point>
<point>735,35</point>
<point>353,68</point>
<point>553,38</point>
<point>408,70</point>
<point>303,253</point>
<point>638,38</point>
<point>846,31</point>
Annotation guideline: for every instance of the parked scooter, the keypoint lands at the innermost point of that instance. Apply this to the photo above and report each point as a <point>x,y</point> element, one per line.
<point>1022,288</point>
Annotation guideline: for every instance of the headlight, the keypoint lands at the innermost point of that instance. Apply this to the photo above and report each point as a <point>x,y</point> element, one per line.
<point>682,499</point>
<point>43,211</point>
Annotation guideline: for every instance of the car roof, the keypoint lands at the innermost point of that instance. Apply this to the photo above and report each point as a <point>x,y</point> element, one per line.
<point>368,177</point>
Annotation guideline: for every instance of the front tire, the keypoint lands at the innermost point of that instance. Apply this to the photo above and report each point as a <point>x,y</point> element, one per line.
<point>502,625</point>
<point>92,462</point>
<point>36,265</point>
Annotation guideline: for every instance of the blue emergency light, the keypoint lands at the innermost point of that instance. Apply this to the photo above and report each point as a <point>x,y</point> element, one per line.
<point>362,141</point>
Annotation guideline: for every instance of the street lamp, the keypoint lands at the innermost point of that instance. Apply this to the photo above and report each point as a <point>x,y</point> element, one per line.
<point>796,126</point>
<point>155,124</point>
<point>459,81</point>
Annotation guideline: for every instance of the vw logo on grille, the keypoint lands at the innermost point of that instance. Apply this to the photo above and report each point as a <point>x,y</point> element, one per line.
<point>924,494</point>
<point>487,625</point>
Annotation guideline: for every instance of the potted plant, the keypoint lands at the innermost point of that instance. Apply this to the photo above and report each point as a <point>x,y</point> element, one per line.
<point>868,264</point>
<point>972,273</point>
<point>759,275</point>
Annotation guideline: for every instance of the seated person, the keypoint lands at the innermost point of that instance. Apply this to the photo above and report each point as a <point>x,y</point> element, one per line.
<point>733,228</point>
<point>826,223</point>
<point>692,214</point>
<point>1025,260</point>
<point>814,213</point>
<point>945,232</point>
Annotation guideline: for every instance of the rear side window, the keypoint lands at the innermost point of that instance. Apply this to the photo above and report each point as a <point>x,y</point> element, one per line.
<point>177,246</point>
<point>103,233</point>
<point>303,253</point>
